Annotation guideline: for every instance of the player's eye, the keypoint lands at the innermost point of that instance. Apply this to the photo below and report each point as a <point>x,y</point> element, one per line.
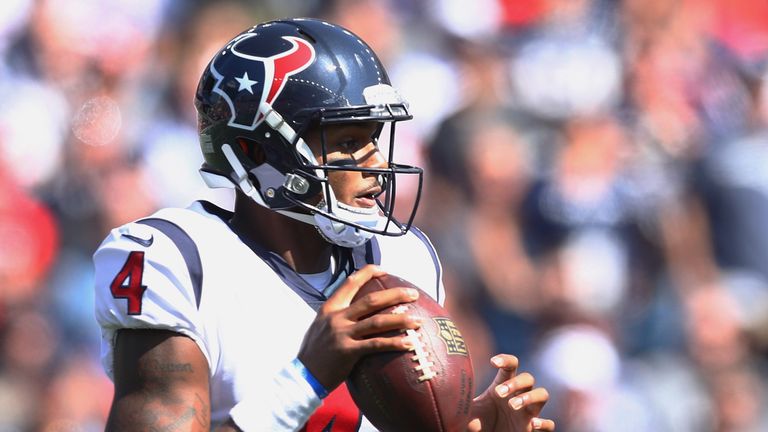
<point>350,145</point>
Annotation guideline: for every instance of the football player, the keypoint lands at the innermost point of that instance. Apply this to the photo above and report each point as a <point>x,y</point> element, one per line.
<point>243,320</point>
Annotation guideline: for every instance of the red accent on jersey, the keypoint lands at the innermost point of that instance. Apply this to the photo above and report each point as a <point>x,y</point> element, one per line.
<point>337,414</point>
<point>133,290</point>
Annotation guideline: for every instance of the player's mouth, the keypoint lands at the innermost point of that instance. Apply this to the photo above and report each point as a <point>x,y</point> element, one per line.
<point>367,198</point>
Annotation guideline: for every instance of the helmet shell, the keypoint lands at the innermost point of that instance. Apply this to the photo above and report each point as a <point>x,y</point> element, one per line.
<point>301,67</point>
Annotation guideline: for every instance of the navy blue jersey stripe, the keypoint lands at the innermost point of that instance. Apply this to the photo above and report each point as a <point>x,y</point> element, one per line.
<point>433,253</point>
<point>373,252</point>
<point>188,250</point>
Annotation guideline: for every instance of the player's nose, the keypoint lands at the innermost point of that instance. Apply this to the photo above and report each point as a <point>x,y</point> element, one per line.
<point>372,157</point>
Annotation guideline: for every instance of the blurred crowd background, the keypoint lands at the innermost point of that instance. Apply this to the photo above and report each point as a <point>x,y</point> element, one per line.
<point>597,187</point>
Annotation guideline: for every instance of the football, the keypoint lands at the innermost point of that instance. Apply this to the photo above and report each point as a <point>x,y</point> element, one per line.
<point>429,388</point>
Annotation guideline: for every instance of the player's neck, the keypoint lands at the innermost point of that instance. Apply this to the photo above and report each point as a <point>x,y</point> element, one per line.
<point>298,243</point>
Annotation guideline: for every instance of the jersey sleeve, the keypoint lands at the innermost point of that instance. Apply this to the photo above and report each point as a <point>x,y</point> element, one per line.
<point>434,284</point>
<point>142,282</point>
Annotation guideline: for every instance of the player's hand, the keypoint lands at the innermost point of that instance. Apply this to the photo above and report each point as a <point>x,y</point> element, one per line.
<point>510,403</point>
<point>342,331</point>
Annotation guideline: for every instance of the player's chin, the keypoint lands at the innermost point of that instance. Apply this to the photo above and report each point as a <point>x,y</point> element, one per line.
<point>363,202</point>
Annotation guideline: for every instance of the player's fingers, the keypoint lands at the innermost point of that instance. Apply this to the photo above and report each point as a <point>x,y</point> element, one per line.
<point>400,342</point>
<point>531,401</point>
<point>378,300</point>
<point>518,384</point>
<point>541,424</point>
<point>507,365</point>
<point>380,323</point>
<point>346,292</point>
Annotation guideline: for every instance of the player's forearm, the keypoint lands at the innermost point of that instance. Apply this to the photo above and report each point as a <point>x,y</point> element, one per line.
<point>143,412</point>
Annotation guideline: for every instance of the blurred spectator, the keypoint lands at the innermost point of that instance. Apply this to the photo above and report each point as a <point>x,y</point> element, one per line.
<point>739,399</point>
<point>583,368</point>
<point>487,270</point>
<point>586,222</point>
<point>28,349</point>
<point>716,338</point>
<point>31,107</point>
<point>30,244</point>
<point>566,66</point>
<point>733,186</point>
<point>66,406</point>
<point>481,165</point>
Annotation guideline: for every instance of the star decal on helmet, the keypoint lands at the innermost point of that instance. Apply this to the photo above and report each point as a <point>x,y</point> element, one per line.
<point>246,83</point>
<point>263,77</point>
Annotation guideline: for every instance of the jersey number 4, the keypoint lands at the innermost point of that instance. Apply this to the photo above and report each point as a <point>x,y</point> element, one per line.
<point>127,284</point>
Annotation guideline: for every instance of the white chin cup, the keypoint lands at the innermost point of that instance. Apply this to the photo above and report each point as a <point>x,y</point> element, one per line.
<point>345,235</point>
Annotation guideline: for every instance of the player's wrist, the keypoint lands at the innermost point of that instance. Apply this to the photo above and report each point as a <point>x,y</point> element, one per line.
<point>318,388</point>
<point>287,404</point>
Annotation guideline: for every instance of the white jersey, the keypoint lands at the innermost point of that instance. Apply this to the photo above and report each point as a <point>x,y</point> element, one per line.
<point>185,270</point>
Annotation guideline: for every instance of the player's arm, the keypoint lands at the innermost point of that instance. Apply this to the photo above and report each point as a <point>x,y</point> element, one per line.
<point>161,383</point>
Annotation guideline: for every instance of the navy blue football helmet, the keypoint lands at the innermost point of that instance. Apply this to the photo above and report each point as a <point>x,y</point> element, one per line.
<point>270,85</point>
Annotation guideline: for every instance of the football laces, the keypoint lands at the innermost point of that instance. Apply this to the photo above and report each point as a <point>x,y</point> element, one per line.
<point>421,354</point>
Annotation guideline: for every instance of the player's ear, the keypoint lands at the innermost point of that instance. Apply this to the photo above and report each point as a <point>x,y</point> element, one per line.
<point>253,150</point>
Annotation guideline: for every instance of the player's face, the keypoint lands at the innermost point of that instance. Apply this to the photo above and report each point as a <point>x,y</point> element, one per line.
<point>351,144</point>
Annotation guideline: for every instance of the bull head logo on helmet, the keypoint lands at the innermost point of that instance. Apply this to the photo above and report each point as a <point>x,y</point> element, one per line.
<point>266,75</point>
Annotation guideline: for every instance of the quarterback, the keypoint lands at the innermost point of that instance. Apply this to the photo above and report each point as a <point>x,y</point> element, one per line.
<point>243,320</point>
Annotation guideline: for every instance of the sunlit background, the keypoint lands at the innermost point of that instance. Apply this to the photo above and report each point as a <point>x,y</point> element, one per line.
<point>597,187</point>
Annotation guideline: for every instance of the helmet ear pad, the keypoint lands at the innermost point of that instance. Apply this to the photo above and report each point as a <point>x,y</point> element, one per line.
<point>252,150</point>
<point>268,165</point>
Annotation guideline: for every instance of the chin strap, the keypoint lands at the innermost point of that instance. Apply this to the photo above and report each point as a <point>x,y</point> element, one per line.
<point>242,175</point>
<point>347,235</point>
<point>340,233</point>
